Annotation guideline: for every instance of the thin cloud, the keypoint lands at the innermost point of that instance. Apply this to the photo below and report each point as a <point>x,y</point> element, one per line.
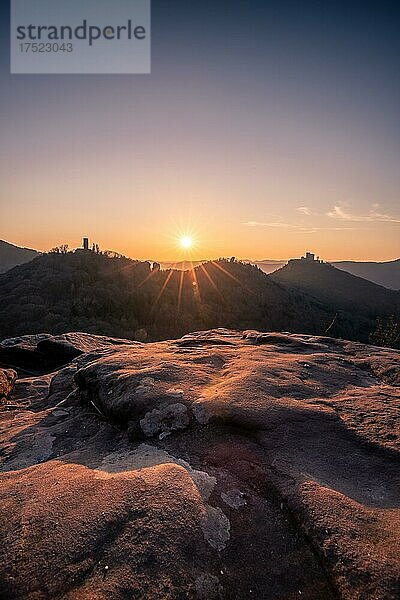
<point>261,224</point>
<point>301,228</point>
<point>342,213</point>
<point>304,210</point>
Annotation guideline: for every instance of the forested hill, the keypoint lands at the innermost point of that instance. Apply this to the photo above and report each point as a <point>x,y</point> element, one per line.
<point>84,291</point>
<point>342,293</point>
<point>89,292</point>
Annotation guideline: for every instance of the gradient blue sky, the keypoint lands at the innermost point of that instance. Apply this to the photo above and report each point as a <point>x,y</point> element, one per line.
<point>265,129</point>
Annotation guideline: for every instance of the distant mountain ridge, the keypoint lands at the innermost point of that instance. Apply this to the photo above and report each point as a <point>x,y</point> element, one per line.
<point>181,265</point>
<point>386,274</point>
<point>269,266</point>
<point>382,273</point>
<point>11,256</point>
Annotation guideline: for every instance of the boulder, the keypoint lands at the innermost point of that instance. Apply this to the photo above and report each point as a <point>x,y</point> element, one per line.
<point>42,353</point>
<point>88,534</point>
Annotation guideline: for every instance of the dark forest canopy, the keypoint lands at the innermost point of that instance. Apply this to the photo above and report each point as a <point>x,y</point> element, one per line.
<point>85,291</point>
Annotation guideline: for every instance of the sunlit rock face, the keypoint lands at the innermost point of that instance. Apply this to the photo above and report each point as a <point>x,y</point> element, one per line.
<point>222,465</point>
<point>7,380</point>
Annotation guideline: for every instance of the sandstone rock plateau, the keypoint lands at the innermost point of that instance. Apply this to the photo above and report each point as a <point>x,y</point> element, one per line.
<point>221,465</point>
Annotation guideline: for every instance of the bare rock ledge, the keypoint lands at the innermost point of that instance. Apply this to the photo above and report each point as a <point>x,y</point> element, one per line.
<point>222,465</point>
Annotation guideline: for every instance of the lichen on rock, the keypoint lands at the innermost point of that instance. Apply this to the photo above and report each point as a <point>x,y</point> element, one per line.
<point>166,420</point>
<point>234,498</point>
<point>208,587</point>
<point>216,527</point>
<point>201,413</point>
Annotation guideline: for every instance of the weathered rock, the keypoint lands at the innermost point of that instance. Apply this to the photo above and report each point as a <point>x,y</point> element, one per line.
<point>7,380</point>
<point>145,456</point>
<point>290,490</point>
<point>214,337</point>
<point>201,413</point>
<point>171,418</point>
<point>43,353</point>
<point>208,587</point>
<point>216,527</point>
<point>89,534</point>
<point>234,498</point>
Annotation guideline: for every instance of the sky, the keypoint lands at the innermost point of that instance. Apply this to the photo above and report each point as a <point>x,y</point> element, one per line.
<point>265,129</point>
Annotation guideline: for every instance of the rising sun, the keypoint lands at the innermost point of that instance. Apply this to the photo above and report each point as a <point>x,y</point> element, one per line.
<point>186,242</point>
